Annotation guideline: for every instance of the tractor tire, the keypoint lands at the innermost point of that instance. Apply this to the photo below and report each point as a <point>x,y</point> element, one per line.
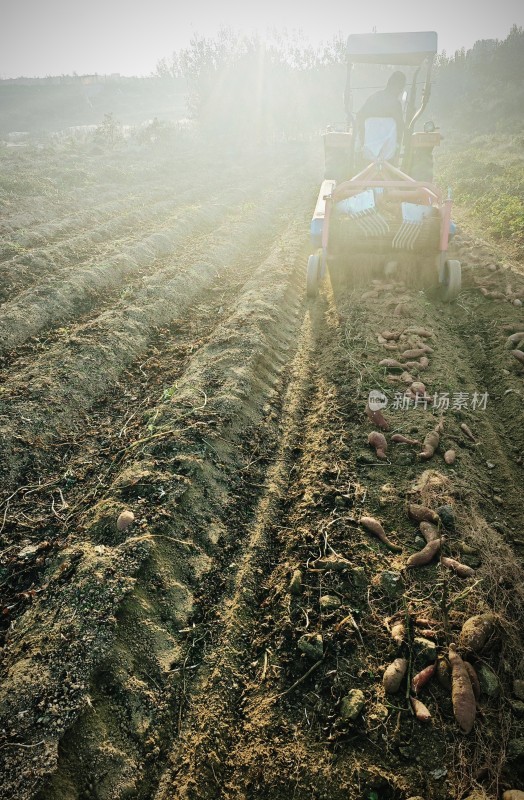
<point>313,276</point>
<point>451,280</point>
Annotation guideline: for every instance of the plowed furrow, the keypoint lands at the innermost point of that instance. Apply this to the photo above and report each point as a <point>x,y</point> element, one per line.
<point>68,378</point>
<point>200,446</point>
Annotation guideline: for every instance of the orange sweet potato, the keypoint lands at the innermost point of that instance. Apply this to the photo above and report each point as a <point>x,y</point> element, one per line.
<point>475,683</point>
<point>422,677</point>
<point>431,442</point>
<point>462,570</point>
<point>398,438</point>
<point>422,513</point>
<point>375,527</point>
<point>378,441</point>
<point>377,418</point>
<point>462,696</point>
<point>429,531</point>
<point>425,555</point>
<point>420,710</point>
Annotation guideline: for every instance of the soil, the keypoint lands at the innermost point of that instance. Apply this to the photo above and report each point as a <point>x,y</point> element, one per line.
<point>158,356</point>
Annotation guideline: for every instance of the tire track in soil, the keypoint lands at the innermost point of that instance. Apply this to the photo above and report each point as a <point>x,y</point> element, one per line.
<point>262,328</point>
<point>216,703</point>
<point>237,741</point>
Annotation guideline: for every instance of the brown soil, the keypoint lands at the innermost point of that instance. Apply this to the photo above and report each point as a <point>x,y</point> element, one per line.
<point>175,369</point>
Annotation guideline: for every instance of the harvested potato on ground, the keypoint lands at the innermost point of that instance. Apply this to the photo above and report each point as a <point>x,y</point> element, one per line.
<point>429,531</point>
<point>475,684</point>
<point>515,339</point>
<point>422,677</point>
<point>422,513</point>
<point>398,438</point>
<point>375,527</point>
<point>444,673</point>
<point>425,555</point>
<point>468,432</point>
<point>476,632</point>
<point>462,696</point>
<point>462,570</point>
<point>419,332</point>
<point>378,441</point>
<point>377,418</point>
<point>431,442</point>
<point>421,711</point>
<point>398,632</point>
<point>450,456</point>
<point>390,363</point>
<point>394,675</point>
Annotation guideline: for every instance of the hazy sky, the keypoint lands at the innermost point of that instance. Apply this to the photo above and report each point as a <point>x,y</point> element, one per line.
<point>53,37</point>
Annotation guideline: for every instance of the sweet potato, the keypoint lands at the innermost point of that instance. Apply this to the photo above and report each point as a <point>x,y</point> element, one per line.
<point>394,675</point>
<point>422,514</point>
<point>378,441</point>
<point>431,442</point>
<point>515,339</point>
<point>513,794</point>
<point>377,418</point>
<point>462,696</point>
<point>419,332</point>
<point>462,570</point>
<point>449,457</point>
<point>519,355</point>
<point>475,684</point>
<point>415,353</point>
<point>398,632</point>
<point>420,710</point>
<point>476,632</point>
<point>425,555</point>
<point>444,673</point>
<point>406,378</point>
<point>390,363</point>
<point>429,531</point>
<point>418,388</point>
<point>467,431</point>
<point>374,526</point>
<point>398,438</point>
<point>422,677</point>
<point>394,335</point>
<point>424,362</point>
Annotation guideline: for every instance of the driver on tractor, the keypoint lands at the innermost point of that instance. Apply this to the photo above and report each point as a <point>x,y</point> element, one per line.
<point>380,122</point>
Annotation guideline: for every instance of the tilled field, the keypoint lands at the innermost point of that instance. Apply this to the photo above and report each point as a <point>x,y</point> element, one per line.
<point>228,637</point>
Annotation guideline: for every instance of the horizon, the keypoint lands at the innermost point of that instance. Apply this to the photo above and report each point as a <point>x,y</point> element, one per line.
<point>64,39</point>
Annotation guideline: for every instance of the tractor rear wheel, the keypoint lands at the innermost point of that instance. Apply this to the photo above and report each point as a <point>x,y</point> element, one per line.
<point>314,275</point>
<point>451,280</point>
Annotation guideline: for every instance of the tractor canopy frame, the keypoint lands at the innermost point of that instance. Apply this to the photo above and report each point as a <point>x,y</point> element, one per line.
<point>399,49</point>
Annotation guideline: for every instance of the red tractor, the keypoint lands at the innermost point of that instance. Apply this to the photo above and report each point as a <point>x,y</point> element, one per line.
<point>378,202</point>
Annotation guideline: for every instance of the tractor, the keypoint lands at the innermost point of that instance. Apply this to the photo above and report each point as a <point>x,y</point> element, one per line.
<point>378,203</point>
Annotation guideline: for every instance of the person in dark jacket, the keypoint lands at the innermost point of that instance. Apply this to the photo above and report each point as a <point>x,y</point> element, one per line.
<point>385,103</point>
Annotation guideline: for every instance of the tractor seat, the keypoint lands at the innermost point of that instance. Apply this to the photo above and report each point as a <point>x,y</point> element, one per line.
<point>380,139</point>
